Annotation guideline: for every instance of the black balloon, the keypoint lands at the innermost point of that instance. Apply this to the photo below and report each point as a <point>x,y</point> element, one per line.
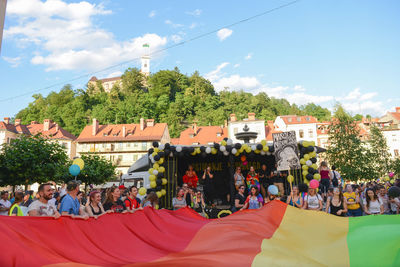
<point>303,187</point>
<point>202,148</point>
<point>158,188</point>
<point>161,154</point>
<point>271,149</point>
<point>157,157</point>
<point>167,152</point>
<point>303,150</point>
<point>394,191</point>
<point>155,144</point>
<point>173,148</point>
<point>160,175</point>
<point>238,145</point>
<point>310,149</point>
<point>159,182</point>
<point>259,146</point>
<point>311,170</point>
<point>151,150</point>
<point>226,139</point>
<point>309,177</point>
<point>216,145</point>
<point>191,149</point>
<point>313,160</point>
<point>228,148</point>
<point>167,146</point>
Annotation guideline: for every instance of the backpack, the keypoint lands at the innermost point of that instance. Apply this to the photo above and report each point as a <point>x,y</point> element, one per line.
<point>130,202</point>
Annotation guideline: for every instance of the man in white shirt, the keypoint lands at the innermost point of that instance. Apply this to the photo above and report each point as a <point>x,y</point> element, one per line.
<point>4,203</point>
<point>42,207</point>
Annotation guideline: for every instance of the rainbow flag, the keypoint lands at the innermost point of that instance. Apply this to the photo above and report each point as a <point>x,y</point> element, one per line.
<point>276,235</point>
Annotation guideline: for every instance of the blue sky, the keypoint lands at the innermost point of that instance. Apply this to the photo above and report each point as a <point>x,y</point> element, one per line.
<point>311,51</point>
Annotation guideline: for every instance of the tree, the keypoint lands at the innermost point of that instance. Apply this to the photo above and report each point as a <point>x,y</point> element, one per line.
<point>379,152</point>
<point>346,151</point>
<point>97,170</point>
<point>27,160</point>
<point>132,81</point>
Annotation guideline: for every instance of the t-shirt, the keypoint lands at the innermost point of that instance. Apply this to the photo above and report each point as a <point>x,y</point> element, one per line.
<point>351,197</point>
<point>6,204</point>
<point>70,205</point>
<point>43,209</point>
<point>313,201</point>
<point>132,203</point>
<point>176,201</point>
<point>374,206</point>
<point>393,206</point>
<point>117,207</point>
<point>241,198</point>
<point>385,202</point>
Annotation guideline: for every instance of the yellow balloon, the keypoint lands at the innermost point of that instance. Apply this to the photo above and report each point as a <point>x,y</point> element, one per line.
<point>163,192</point>
<point>223,142</point>
<point>248,150</point>
<point>312,154</point>
<point>305,172</point>
<point>290,179</point>
<point>312,143</point>
<point>154,153</point>
<point>151,170</point>
<point>314,166</point>
<point>152,178</point>
<point>214,151</point>
<point>304,167</point>
<point>197,149</point>
<point>264,142</point>
<point>257,151</point>
<point>157,207</point>
<point>159,194</point>
<point>265,148</point>
<point>306,144</point>
<point>302,161</point>
<point>164,181</point>
<point>142,191</point>
<point>306,157</point>
<point>161,169</point>
<point>156,149</point>
<point>79,162</point>
<point>317,176</point>
<point>153,184</point>
<point>161,161</point>
<point>156,166</point>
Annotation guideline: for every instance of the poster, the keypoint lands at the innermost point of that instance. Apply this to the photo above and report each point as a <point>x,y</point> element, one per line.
<point>286,151</point>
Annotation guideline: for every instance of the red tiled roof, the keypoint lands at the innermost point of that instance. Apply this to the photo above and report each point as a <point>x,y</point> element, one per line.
<point>174,141</point>
<point>114,132</point>
<point>322,125</point>
<point>269,130</point>
<point>205,135</point>
<point>34,129</point>
<point>395,115</point>
<point>293,119</point>
<point>110,79</point>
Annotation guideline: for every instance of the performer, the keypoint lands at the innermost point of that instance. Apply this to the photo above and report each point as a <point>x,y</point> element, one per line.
<point>239,178</point>
<point>252,179</point>
<point>208,179</point>
<point>190,178</point>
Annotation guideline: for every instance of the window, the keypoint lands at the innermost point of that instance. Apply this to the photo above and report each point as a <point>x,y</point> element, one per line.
<point>64,145</point>
<point>196,144</point>
<point>289,119</point>
<point>191,135</point>
<point>396,152</point>
<point>120,145</point>
<point>299,119</point>
<point>235,130</point>
<point>310,133</point>
<point>218,134</point>
<point>307,118</point>
<point>144,146</point>
<point>128,144</point>
<point>119,157</point>
<point>301,133</point>
<point>135,157</point>
<point>104,145</point>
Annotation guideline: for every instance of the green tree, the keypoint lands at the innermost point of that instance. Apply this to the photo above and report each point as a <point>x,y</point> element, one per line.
<point>97,170</point>
<point>379,152</point>
<point>27,160</point>
<point>132,81</point>
<point>346,151</point>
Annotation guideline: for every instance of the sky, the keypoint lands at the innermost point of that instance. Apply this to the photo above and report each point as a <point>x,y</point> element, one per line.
<point>310,51</point>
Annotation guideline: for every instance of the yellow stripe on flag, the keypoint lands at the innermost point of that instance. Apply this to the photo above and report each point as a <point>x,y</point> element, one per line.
<point>306,238</point>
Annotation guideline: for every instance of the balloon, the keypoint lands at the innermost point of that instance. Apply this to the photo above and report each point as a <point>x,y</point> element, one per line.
<point>152,177</point>
<point>142,191</point>
<point>253,147</point>
<point>394,191</point>
<point>154,154</point>
<point>306,157</point>
<point>310,149</point>
<point>234,151</point>
<point>243,158</point>
<point>314,166</point>
<point>161,161</point>
<point>226,153</point>
<point>313,160</point>
<point>163,192</point>
<point>271,149</point>
<point>237,145</point>
<point>155,172</point>
<point>313,154</point>
<point>156,166</point>
<point>290,179</point>
<point>74,170</point>
<point>265,148</point>
<point>314,184</point>
<point>317,176</point>
<point>245,163</point>
<point>257,151</point>
<point>222,148</point>
<point>304,167</point>
<point>216,145</point>
<point>157,157</point>
<point>161,169</point>
<point>386,178</point>
<point>264,142</point>
<point>308,163</point>
<point>208,150</point>
<point>305,172</point>
<point>391,174</point>
<point>223,143</point>
<point>273,190</point>
<point>302,161</point>
<point>155,144</point>
<point>178,148</point>
<point>248,150</point>
<point>79,162</point>
<point>164,181</point>
<point>159,194</point>
<point>161,146</point>
<point>259,146</point>
<point>312,143</point>
<point>151,151</point>
<point>156,149</point>
<point>263,153</point>
<point>214,151</point>
<point>151,170</point>
<point>153,184</point>
<point>229,142</point>
<point>309,177</point>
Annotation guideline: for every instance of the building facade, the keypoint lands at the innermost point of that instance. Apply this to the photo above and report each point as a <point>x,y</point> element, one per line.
<point>122,144</point>
<point>255,125</point>
<point>304,126</point>
<point>393,141</point>
<point>48,129</point>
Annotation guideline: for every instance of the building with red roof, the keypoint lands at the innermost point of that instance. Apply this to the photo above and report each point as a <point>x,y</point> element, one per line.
<point>48,129</point>
<point>201,135</point>
<point>123,144</point>
<point>304,126</point>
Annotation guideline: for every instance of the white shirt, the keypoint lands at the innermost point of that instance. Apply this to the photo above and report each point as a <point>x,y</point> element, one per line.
<point>374,206</point>
<point>6,204</point>
<point>393,206</point>
<point>43,209</point>
<point>313,201</point>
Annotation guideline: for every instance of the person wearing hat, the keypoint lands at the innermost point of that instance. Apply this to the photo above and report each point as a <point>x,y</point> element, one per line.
<point>273,193</point>
<point>70,204</point>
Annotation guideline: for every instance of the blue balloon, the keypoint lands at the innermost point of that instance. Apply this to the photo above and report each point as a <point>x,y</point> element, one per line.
<point>273,189</point>
<point>74,170</point>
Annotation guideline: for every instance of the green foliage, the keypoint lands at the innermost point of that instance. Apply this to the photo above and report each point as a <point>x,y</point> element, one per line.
<point>97,170</point>
<point>167,96</point>
<point>379,151</point>
<point>27,160</point>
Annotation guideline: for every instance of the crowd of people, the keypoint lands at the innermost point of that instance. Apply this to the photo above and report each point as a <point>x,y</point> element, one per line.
<point>54,201</point>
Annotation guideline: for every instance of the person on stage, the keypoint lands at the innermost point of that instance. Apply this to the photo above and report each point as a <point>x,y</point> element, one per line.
<point>252,179</point>
<point>190,178</point>
<point>208,179</point>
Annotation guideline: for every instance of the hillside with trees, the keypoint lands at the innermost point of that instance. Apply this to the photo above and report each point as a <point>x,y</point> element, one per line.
<point>167,96</point>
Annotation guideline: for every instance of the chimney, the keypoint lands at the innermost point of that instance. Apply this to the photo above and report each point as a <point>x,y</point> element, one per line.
<point>251,116</point>
<point>95,127</point>
<point>225,123</point>
<point>142,124</point>
<point>233,117</point>
<point>57,127</point>
<point>195,128</point>
<point>17,122</point>
<point>124,131</point>
<point>46,125</point>
<point>397,109</point>
<point>6,120</point>
<point>34,122</point>
<point>150,122</point>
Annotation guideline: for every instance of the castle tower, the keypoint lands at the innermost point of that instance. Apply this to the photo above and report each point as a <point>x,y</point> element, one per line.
<point>145,69</point>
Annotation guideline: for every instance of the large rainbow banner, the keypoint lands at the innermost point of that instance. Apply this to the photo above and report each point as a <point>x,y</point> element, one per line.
<point>276,235</point>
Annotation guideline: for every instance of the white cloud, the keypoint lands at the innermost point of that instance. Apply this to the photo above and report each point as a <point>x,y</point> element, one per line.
<point>236,82</point>
<point>65,36</point>
<point>193,25</point>
<point>14,61</point>
<point>176,38</point>
<point>152,14</point>
<point>216,74</point>
<point>249,56</point>
<point>174,25</point>
<point>196,12</point>
<point>224,33</point>
<point>115,74</point>
<point>236,65</point>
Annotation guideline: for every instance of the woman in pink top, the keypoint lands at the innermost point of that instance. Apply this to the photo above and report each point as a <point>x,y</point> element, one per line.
<point>325,173</point>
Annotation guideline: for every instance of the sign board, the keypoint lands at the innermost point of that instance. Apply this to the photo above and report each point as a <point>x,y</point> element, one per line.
<point>286,151</point>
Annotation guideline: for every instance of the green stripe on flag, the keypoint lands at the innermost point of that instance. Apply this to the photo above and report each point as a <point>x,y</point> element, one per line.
<point>374,240</point>
<point>146,45</point>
